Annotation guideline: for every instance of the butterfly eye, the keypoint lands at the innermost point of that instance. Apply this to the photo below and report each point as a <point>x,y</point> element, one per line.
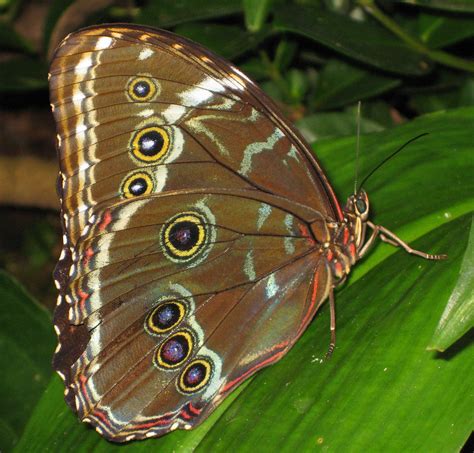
<point>150,144</point>
<point>165,317</point>
<point>137,184</point>
<point>195,376</point>
<point>141,89</point>
<point>184,236</point>
<point>361,206</point>
<point>175,350</point>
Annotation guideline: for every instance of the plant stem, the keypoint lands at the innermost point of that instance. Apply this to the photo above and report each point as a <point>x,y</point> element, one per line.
<point>435,55</point>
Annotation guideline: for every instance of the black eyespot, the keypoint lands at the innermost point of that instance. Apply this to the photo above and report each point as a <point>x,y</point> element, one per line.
<point>138,187</point>
<point>361,206</point>
<point>184,236</point>
<point>150,144</point>
<point>165,317</point>
<point>136,184</point>
<point>175,350</point>
<point>195,376</point>
<point>141,89</point>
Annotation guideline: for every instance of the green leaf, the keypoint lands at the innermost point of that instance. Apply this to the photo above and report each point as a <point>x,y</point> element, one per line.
<point>340,84</point>
<point>254,68</point>
<point>447,5</point>
<point>11,40</point>
<point>382,390</point>
<point>379,111</point>
<point>284,54</point>
<point>226,40</point>
<point>26,345</point>
<point>256,12</point>
<point>167,13</point>
<point>365,42</point>
<point>297,84</point>
<point>23,74</point>
<point>335,124</point>
<point>458,316</point>
<point>438,31</point>
<point>466,95</point>
<point>450,89</point>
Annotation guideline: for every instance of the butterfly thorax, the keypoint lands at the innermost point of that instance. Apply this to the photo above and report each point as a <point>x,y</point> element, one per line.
<point>347,237</point>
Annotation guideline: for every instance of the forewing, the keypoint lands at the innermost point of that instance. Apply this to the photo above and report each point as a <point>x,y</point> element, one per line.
<point>216,120</point>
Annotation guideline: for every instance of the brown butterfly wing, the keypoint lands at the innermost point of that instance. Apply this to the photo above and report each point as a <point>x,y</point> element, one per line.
<point>248,297</point>
<point>221,157</point>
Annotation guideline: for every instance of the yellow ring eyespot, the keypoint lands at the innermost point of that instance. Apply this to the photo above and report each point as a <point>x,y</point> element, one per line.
<point>184,236</point>
<point>174,350</point>
<point>195,376</point>
<point>137,184</point>
<point>165,317</point>
<point>141,89</point>
<point>150,144</point>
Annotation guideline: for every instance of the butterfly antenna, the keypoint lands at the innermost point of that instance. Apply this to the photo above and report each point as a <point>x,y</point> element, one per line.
<point>390,157</point>
<point>356,175</point>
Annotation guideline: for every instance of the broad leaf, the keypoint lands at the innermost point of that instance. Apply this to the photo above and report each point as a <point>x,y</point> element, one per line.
<point>227,41</point>
<point>364,42</point>
<point>167,13</point>
<point>334,124</point>
<point>23,74</point>
<point>458,316</point>
<point>26,345</point>
<point>438,32</point>
<point>448,5</point>
<point>341,84</point>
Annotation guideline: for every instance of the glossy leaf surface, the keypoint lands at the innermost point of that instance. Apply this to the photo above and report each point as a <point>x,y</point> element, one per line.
<point>26,344</point>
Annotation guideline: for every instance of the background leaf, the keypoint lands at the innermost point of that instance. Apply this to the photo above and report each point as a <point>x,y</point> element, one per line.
<point>438,31</point>
<point>172,12</point>
<point>340,84</point>
<point>228,41</point>
<point>448,5</point>
<point>23,74</point>
<point>10,39</point>
<point>458,316</point>
<point>256,11</point>
<point>373,46</point>
<point>334,124</point>
<point>26,345</point>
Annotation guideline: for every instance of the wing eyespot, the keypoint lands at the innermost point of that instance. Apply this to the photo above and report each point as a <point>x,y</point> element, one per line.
<point>175,350</point>
<point>141,89</point>
<point>137,184</point>
<point>184,236</point>
<point>165,317</point>
<point>150,144</point>
<point>195,376</point>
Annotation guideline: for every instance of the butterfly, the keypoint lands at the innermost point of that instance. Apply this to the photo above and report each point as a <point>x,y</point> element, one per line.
<point>201,234</point>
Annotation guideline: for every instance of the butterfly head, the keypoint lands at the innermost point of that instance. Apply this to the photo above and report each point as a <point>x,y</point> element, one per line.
<point>358,206</point>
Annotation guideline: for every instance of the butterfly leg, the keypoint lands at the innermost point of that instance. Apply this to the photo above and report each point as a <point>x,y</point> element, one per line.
<point>332,310</point>
<point>390,238</point>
